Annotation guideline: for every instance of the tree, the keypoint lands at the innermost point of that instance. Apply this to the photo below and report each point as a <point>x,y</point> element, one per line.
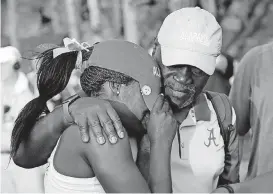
<point>130,22</point>
<point>117,17</point>
<point>56,23</point>
<point>73,19</point>
<point>12,18</point>
<point>94,13</point>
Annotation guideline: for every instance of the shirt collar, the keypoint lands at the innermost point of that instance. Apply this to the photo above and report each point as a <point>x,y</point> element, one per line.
<point>200,112</point>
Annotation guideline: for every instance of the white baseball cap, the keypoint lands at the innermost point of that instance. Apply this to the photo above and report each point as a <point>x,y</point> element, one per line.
<point>190,36</point>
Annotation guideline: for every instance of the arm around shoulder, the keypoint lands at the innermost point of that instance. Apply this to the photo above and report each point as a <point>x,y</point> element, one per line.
<point>42,140</point>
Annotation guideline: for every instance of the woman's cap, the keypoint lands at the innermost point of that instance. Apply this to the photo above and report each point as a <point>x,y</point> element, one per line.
<point>132,60</point>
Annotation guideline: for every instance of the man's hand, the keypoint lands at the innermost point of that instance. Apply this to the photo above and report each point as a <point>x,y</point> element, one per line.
<point>162,125</point>
<point>92,114</point>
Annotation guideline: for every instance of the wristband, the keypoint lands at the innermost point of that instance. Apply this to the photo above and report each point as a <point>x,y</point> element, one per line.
<point>228,187</point>
<point>67,117</point>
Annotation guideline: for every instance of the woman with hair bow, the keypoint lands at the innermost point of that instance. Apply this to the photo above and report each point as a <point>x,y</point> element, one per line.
<point>109,71</point>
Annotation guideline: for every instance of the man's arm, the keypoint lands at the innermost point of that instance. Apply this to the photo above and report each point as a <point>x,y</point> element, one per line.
<point>143,156</point>
<point>160,168</point>
<point>260,184</point>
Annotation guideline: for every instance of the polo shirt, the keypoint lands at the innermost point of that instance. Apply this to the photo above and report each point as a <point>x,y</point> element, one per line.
<point>202,150</point>
<point>252,99</point>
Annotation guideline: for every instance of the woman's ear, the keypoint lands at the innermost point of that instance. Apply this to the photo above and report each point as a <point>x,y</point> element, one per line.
<point>155,46</point>
<point>115,88</point>
<point>154,49</point>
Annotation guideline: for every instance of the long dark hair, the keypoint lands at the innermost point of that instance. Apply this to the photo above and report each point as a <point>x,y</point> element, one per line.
<point>52,78</point>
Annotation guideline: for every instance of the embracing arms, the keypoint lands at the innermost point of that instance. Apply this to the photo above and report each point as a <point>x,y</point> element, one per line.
<point>114,167</point>
<point>87,113</point>
<point>42,140</point>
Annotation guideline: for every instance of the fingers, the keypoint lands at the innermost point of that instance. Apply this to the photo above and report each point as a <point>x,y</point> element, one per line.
<point>166,106</point>
<point>108,126</point>
<point>81,122</point>
<point>158,103</point>
<point>116,121</point>
<point>95,127</point>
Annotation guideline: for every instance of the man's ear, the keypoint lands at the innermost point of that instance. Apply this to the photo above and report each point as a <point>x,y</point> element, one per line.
<point>115,88</point>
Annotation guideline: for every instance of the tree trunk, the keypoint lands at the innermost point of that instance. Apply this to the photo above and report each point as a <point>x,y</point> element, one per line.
<point>130,22</point>
<point>117,17</point>
<point>94,13</point>
<point>56,23</point>
<point>72,18</point>
<point>12,20</point>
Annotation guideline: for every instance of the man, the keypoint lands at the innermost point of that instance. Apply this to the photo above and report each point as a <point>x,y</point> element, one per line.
<point>15,95</point>
<point>186,49</point>
<point>252,97</point>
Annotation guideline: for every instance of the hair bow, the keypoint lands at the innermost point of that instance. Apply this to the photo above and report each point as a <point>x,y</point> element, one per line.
<point>72,45</point>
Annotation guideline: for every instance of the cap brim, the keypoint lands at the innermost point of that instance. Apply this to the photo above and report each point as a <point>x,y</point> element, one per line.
<point>172,56</point>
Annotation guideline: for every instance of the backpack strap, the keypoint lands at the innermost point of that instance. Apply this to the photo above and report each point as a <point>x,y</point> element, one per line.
<point>223,110</point>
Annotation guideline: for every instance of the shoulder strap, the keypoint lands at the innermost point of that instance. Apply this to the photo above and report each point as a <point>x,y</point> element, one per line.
<point>223,110</point>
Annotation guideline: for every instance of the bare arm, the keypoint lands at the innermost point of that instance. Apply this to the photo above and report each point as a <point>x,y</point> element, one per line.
<point>88,113</point>
<point>114,167</point>
<point>42,140</point>
<point>160,168</point>
<point>143,156</point>
<point>260,184</point>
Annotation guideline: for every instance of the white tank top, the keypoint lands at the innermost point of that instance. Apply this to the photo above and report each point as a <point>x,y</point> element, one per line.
<point>55,182</point>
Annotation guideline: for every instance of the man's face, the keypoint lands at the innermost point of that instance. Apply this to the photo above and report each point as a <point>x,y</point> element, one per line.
<point>182,83</point>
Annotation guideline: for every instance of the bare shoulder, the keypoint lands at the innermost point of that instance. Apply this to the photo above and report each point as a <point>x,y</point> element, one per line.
<point>69,159</point>
<point>71,136</point>
<point>108,154</point>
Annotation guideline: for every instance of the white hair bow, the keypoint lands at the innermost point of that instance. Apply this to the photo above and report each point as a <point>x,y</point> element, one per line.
<point>72,45</point>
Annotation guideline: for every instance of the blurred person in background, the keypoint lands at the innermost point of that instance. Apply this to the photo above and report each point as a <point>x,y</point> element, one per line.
<point>15,94</point>
<point>252,98</point>
<point>219,80</point>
